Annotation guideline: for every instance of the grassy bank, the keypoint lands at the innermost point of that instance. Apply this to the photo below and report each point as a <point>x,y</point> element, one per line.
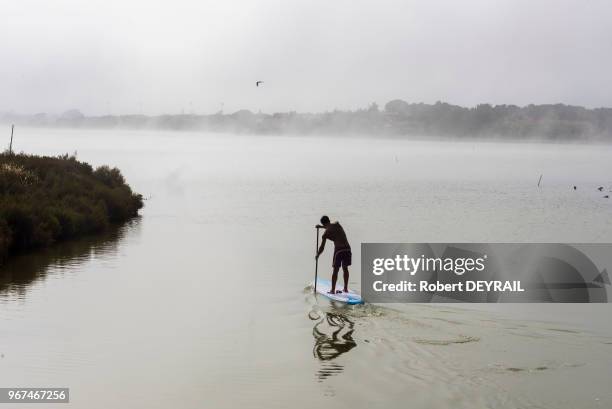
<point>48,199</point>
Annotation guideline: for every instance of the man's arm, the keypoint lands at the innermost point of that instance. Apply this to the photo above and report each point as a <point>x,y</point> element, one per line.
<point>322,247</point>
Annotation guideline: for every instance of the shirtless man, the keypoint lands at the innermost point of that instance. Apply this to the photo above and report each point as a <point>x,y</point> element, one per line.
<point>342,250</point>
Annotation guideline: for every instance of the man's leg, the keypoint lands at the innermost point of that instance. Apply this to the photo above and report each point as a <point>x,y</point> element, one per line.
<point>346,278</point>
<point>334,279</point>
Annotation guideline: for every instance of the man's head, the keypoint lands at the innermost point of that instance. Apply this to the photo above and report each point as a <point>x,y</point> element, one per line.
<point>324,221</point>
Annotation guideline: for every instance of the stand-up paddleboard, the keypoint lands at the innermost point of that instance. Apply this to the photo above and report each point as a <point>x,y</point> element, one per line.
<point>350,298</point>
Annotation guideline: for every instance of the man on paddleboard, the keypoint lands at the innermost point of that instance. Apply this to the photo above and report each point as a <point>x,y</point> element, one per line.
<point>342,250</point>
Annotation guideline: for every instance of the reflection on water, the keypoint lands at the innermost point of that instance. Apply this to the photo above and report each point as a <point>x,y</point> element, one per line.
<point>333,334</point>
<point>21,271</point>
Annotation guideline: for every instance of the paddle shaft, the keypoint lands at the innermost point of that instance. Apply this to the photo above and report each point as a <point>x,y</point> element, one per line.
<point>316,261</point>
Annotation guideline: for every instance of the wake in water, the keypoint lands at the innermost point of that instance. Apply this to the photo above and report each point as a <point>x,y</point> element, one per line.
<point>447,357</point>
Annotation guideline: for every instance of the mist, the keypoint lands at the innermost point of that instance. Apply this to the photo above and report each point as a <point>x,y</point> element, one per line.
<point>201,57</point>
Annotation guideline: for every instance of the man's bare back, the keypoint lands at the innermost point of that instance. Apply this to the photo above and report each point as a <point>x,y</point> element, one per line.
<point>342,250</point>
<point>335,233</point>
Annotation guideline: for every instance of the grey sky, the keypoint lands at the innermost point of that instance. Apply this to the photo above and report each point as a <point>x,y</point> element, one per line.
<point>134,56</point>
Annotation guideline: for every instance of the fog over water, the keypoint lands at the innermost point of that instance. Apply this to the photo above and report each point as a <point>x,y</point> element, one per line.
<point>135,56</point>
<point>205,299</point>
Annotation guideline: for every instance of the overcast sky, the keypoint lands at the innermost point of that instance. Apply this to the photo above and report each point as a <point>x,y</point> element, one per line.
<point>149,56</point>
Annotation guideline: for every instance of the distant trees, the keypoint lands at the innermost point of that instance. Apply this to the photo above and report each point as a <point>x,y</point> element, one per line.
<point>397,107</point>
<point>557,122</point>
<point>397,118</point>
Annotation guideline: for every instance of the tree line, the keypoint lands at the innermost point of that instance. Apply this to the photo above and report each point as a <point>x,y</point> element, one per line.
<point>397,118</point>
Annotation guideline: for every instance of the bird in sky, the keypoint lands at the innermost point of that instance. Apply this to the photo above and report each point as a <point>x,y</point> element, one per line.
<point>258,82</point>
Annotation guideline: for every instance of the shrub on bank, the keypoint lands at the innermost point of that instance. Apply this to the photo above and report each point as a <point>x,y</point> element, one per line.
<point>47,199</point>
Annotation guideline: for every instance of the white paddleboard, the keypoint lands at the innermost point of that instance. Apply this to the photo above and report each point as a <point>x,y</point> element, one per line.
<point>351,298</point>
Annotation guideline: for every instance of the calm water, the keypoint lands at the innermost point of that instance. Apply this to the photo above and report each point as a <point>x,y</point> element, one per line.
<point>203,301</point>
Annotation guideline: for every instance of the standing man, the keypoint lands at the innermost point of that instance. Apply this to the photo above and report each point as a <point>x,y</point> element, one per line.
<point>342,251</point>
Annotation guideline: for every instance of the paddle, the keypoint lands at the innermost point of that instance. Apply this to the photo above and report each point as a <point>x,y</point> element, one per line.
<point>316,260</point>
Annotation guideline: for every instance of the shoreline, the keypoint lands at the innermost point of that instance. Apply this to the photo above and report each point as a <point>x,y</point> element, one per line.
<point>396,119</point>
<point>45,200</point>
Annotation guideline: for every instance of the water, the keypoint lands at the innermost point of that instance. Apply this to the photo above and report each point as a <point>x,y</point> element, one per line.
<point>204,301</point>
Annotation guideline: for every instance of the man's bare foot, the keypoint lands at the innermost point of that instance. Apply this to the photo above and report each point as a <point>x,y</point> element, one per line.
<point>345,290</point>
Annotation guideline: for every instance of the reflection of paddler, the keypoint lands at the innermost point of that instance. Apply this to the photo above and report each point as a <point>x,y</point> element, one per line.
<point>342,251</point>
<point>328,347</point>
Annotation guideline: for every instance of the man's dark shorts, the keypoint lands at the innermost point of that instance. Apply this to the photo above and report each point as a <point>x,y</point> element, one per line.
<point>342,257</point>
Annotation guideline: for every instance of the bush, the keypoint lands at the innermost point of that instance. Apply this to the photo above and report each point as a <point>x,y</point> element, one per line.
<point>46,199</point>
<point>5,239</point>
<point>111,177</point>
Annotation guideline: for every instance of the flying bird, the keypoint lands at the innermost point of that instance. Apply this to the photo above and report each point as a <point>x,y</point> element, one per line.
<point>600,188</point>
<point>258,82</point>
